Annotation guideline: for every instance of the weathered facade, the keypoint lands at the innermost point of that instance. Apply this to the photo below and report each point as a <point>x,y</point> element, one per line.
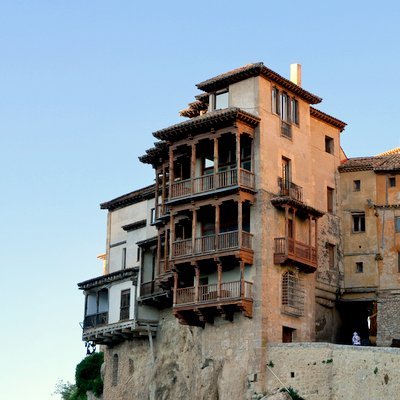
<point>239,243</point>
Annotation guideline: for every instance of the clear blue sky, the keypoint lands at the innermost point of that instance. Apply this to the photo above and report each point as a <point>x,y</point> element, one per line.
<point>82,86</point>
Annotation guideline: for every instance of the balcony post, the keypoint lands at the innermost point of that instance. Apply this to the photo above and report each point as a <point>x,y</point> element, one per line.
<point>216,184</point>
<point>157,189</point>
<point>171,170</point>
<point>193,167</point>
<point>194,227</point>
<point>240,221</point>
<point>241,278</point>
<point>238,157</point>
<point>166,255</point>
<point>163,189</point>
<point>197,283</point>
<point>171,234</point>
<point>158,254</point>
<point>216,240</point>
<point>219,267</point>
<point>175,287</point>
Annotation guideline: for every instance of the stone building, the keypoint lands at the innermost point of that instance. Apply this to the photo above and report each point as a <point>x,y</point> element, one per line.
<point>237,245</point>
<point>370,214</point>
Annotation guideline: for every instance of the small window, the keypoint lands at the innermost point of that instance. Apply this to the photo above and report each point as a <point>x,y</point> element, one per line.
<point>295,111</point>
<point>221,100</point>
<point>359,267</point>
<point>329,199</point>
<point>331,255</point>
<point>125,304</point>
<point>397,224</point>
<point>138,254</point>
<point>392,181</point>
<point>292,294</point>
<point>356,185</point>
<point>123,261</point>
<point>358,222</point>
<point>115,367</point>
<point>285,107</point>
<point>329,148</point>
<point>275,101</point>
<point>153,216</point>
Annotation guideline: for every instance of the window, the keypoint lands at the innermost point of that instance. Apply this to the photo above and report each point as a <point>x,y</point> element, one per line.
<point>138,254</point>
<point>115,370</point>
<point>287,334</point>
<point>392,181</point>
<point>153,216</point>
<point>356,185</point>
<point>329,199</point>
<point>329,148</point>
<point>292,294</point>
<point>295,112</point>
<point>275,101</point>
<point>359,267</point>
<point>123,261</point>
<point>397,223</point>
<point>358,222</point>
<point>285,107</point>
<point>221,100</point>
<point>331,255</point>
<point>125,304</point>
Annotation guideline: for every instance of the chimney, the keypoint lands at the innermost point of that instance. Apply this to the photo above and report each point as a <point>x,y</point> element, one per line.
<point>295,73</point>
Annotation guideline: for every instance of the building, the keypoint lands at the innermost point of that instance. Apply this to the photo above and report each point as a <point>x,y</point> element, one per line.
<point>370,214</point>
<point>239,244</point>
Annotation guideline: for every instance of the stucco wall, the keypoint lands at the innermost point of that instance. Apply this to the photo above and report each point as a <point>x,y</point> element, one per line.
<point>333,372</point>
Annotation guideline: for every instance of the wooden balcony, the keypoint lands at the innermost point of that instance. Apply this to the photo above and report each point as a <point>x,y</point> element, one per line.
<point>212,244</point>
<point>151,293</point>
<point>303,255</point>
<point>213,182</point>
<point>93,320</point>
<point>197,305</point>
<point>288,188</point>
<point>111,334</point>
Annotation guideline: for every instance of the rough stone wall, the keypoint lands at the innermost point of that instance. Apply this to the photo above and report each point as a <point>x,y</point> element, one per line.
<point>216,362</point>
<point>333,372</point>
<point>388,319</point>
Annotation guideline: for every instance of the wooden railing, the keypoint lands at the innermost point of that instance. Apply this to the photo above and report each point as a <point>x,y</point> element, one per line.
<point>93,320</point>
<point>288,188</point>
<point>286,129</point>
<point>210,182</point>
<point>212,243</point>
<point>210,293</point>
<point>162,211</point>
<point>288,247</point>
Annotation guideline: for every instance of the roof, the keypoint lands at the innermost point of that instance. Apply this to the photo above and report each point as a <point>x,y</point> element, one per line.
<point>251,70</point>
<point>377,163</point>
<point>327,118</point>
<point>396,150</point>
<point>155,155</point>
<point>136,196</point>
<point>202,123</point>
<point>114,276</point>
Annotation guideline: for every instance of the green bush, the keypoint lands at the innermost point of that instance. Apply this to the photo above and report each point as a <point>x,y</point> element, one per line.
<point>87,376</point>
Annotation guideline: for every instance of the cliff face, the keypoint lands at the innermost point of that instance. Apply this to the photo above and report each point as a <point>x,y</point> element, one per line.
<point>216,362</point>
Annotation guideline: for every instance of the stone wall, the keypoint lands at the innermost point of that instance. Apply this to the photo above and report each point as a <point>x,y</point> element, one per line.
<point>217,362</point>
<point>388,319</point>
<point>333,372</point>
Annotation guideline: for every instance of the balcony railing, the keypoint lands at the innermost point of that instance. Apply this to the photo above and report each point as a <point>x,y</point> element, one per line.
<point>211,182</point>
<point>150,289</point>
<point>162,211</point>
<point>93,320</point>
<point>286,130</point>
<point>286,247</point>
<point>290,189</point>
<point>211,244</point>
<point>210,293</point>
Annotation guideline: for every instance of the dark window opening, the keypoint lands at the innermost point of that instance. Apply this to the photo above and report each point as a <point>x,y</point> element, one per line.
<point>358,222</point>
<point>392,181</point>
<point>356,185</point>
<point>287,334</point>
<point>397,224</point>
<point>123,261</point>
<point>331,255</point>
<point>329,145</point>
<point>330,198</point>
<point>125,304</point>
<point>359,267</point>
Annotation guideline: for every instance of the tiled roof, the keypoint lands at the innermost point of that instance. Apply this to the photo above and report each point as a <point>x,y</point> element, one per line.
<point>205,122</point>
<point>377,163</point>
<point>107,279</point>
<point>136,196</point>
<point>327,118</point>
<point>396,150</point>
<point>156,154</point>
<point>194,109</point>
<point>256,69</point>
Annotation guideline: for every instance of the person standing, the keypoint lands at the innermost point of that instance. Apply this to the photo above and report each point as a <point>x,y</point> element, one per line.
<point>356,339</point>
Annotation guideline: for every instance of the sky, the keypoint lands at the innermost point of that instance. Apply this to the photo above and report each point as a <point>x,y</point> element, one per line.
<point>83,84</point>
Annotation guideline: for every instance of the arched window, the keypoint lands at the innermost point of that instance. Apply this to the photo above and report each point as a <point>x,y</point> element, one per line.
<point>292,294</point>
<point>115,370</point>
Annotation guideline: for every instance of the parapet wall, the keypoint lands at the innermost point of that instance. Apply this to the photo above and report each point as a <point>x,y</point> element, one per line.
<point>333,372</point>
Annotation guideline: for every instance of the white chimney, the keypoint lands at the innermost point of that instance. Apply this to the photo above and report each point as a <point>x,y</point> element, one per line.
<point>295,73</point>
